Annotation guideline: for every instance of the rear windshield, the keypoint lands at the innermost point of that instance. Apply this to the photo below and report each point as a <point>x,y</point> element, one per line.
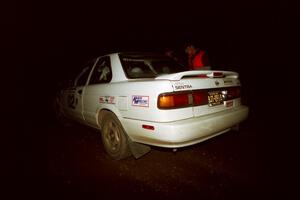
<point>149,66</point>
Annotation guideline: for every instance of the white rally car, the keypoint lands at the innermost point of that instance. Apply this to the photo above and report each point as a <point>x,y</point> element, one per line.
<point>138,100</point>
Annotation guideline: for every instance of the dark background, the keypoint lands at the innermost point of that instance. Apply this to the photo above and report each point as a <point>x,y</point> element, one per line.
<point>257,40</point>
<point>44,41</point>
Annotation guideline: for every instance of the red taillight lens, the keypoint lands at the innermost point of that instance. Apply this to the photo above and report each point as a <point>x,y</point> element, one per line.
<point>167,101</point>
<point>181,100</point>
<point>234,92</point>
<point>200,97</point>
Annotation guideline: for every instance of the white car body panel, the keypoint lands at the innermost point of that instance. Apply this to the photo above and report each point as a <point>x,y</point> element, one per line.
<point>134,102</point>
<point>186,132</point>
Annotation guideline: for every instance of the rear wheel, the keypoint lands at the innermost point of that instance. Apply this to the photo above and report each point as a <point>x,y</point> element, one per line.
<point>114,137</point>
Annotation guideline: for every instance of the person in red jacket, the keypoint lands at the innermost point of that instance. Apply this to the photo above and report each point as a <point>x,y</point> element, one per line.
<point>197,58</point>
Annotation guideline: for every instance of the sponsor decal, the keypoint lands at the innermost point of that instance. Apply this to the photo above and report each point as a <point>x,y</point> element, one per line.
<point>107,99</point>
<point>142,101</point>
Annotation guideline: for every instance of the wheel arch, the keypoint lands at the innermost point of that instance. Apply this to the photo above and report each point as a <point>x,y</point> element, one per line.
<point>101,112</point>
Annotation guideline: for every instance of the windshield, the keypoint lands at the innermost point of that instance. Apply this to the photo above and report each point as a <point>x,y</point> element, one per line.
<point>149,66</point>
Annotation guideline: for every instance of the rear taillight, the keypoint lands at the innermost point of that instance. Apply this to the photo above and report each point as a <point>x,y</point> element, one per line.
<point>173,100</point>
<point>233,93</point>
<point>195,97</point>
<point>200,97</point>
<point>181,100</point>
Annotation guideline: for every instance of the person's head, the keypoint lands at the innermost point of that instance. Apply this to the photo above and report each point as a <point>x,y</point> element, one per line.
<point>190,50</point>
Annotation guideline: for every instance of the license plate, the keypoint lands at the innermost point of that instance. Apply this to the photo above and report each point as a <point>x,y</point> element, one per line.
<point>215,98</point>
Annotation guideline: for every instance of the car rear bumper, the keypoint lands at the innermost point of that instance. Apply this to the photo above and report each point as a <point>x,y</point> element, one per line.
<point>185,132</point>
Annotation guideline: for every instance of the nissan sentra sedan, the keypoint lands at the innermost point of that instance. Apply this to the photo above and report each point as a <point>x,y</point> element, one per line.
<point>139,100</point>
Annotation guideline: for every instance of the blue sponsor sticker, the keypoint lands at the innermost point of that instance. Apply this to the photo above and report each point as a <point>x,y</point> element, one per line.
<point>142,101</point>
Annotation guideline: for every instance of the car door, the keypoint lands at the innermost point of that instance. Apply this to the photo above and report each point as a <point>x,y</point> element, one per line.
<point>97,92</point>
<point>76,96</point>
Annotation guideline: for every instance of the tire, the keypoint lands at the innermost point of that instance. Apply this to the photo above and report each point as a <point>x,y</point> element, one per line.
<point>114,138</point>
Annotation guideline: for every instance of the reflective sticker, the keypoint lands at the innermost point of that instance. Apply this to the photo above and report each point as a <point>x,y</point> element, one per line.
<point>142,101</point>
<point>107,99</point>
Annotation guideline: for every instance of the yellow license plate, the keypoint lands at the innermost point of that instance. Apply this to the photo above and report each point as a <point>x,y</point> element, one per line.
<point>215,98</point>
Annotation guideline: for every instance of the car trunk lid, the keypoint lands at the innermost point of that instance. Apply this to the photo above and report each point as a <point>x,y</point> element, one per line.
<point>200,74</point>
<point>219,90</point>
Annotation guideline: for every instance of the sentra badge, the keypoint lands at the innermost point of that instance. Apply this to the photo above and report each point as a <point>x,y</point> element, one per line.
<point>182,85</point>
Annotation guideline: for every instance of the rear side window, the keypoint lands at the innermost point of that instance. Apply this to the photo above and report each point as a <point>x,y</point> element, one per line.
<point>102,71</point>
<point>149,66</point>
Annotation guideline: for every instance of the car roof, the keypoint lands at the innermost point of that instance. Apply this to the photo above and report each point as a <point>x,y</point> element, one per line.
<point>142,54</point>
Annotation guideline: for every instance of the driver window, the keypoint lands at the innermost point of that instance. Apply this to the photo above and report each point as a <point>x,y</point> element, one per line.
<point>102,71</point>
<point>82,79</point>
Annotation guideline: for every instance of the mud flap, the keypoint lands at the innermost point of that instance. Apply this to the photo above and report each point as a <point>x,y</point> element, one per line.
<point>137,149</point>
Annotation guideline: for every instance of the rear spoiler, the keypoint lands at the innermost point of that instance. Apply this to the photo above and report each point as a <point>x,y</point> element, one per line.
<point>201,73</point>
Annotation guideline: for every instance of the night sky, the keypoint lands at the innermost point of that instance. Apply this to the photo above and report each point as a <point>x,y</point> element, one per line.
<point>60,36</point>
<point>55,38</point>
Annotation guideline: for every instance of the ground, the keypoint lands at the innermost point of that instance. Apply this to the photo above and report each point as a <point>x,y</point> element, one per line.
<point>70,162</point>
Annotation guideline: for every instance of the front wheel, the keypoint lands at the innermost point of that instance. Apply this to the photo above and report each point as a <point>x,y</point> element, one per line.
<point>114,137</point>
